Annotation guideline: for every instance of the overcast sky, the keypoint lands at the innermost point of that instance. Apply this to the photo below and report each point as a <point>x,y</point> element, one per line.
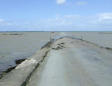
<point>55,15</point>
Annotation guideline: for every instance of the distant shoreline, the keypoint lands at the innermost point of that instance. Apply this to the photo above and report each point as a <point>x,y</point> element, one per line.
<point>55,31</point>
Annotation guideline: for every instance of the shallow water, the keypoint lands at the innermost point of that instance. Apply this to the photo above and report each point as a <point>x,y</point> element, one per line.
<point>101,38</point>
<point>19,45</point>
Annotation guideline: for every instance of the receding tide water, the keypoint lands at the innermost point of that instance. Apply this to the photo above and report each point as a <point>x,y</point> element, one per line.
<point>19,45</point>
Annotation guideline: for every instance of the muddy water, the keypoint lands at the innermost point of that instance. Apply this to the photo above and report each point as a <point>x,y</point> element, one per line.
<point>100,38</point>
<point>19,45</point>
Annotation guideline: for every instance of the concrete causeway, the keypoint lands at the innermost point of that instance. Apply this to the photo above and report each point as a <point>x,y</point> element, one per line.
<point>65,62</point>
